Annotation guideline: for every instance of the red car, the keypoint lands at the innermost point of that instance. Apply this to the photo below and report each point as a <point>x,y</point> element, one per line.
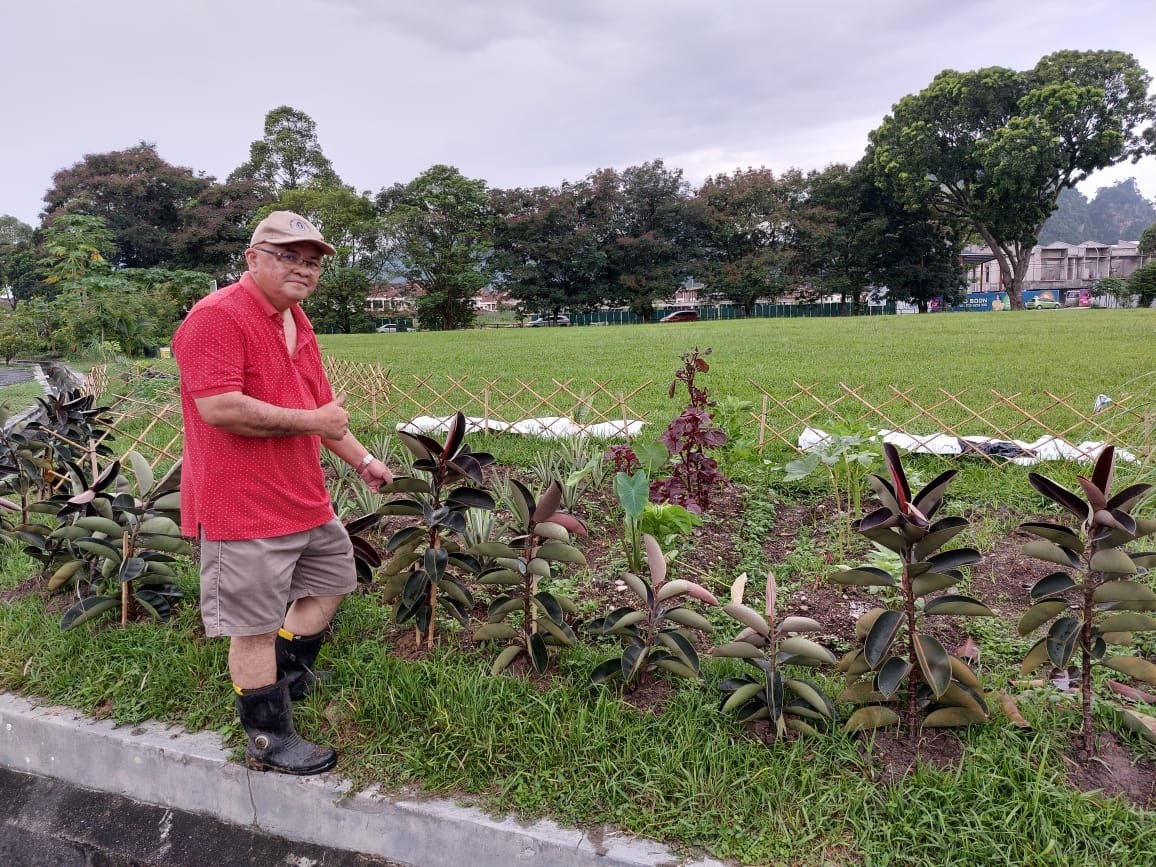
<point>680,316</point>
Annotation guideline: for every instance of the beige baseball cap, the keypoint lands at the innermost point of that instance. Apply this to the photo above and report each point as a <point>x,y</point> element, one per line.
<point>285,227</point>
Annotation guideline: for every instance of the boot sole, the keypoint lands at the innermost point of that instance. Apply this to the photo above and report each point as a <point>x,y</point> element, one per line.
<point>255,764</point>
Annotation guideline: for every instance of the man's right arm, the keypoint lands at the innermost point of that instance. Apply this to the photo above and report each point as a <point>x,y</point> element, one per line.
<point>246,416</point>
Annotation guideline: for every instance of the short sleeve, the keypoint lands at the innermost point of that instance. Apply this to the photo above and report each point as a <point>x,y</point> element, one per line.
<point>210,351</point>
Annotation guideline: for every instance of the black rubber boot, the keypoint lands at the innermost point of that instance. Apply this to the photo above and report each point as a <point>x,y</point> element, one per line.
<point>274,745</point>
<point>295,657</point>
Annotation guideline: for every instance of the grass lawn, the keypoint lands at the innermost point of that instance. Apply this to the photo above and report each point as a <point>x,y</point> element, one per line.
<point>687,775</point>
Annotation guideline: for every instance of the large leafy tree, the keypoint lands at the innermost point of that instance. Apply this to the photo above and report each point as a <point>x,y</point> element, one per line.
<point>15,235</point>
<point>650,244</point>
<point>215,228</point>
<point>995,147</point>
<point>1148,241</point>
<point>140,197</point>
<point>751,230</point>
<point>1142,283</point>
<point>348,220</point>
<point>439,231</point>
<point>288,156</point>
<point>549,247</point>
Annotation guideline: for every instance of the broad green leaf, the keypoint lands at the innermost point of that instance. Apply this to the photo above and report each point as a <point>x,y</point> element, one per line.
<point>738,650</point>
<point>539,655</point>
<point>1057,533</point>
<point>934,663</point>
<point>628,619</point>
<point>891,674</point>
<point>957,696</point>
<point>1129,621</point>
<point>68,532</point>
<point>560,631</point>
<point>1063,636</point>
<point>94,546</point>
<point>549,605</point>
<point>168,544</point>
<point>799,624</point>
<point>1137,596</point>
<point>495,632</point>
<point>142,471</point>
<point>797,725</point>
<point>1052,585</point>
<point>1140,723</point>
<point>64,574</point>
<point>131,569</point>
<point>676,667</point>
<point>870,718</point>
<point>504,659</point>
<point>932,582</point>
<point>689,619</point>
<point>680,647</point>
<point>962,606</point>
<point>878,643</point>
<point>864,576</point>
<point>633,492</point>
<point>940,534</point>
<point>796,645</point>
<point>641,588</point>
<point>1040,613</point>
<point>863,624</point>
<point>853,663</point>
<point>500,577</point>
<point>490,549</point>
<point>97,524</point>
<point>812,695</point>
<point>1035,657</point>
<point>951,717</point>
<point>1134,667</point>
<point>633,657</point>
<point>87,609</point>
<point>560,552</point>
<point>550,530</point>
<point>748,617</point>
<point>1052,553</point>
<point>962,672</point>
<point>170,502</point>
<point>1113,561</point>
<point>539,566</point>
<point>954,559</point>
<point>1060,495</point>
<point>161,525</point>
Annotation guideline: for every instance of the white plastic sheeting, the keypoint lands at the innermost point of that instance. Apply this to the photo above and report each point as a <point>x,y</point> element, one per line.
<point>547,427</point>
<point>1046,448</point>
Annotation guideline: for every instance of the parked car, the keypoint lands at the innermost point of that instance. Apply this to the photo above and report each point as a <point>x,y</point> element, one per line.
<point>541,321</point>
<point>387,327</point>
<point>1041,302</point>
<point>680,316</point>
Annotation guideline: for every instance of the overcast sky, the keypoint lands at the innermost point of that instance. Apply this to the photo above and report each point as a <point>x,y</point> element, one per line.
<point>516,92</point>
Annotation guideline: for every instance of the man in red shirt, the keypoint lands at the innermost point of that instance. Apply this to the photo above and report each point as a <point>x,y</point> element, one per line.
<point>275,561</point>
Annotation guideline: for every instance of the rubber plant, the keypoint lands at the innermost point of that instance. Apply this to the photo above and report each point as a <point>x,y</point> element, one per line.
<point>900,662</point>
<point>528,618</point>
<point>121,537</point>
<point>659,633</point>
<point>1094,602</point>
<point>769,645</point>
<point>417,572</point>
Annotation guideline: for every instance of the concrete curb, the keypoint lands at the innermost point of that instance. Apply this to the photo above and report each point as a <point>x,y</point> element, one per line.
<point>191,772</point>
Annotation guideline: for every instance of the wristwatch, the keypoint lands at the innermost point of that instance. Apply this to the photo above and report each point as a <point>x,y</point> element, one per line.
<point>366,461</point>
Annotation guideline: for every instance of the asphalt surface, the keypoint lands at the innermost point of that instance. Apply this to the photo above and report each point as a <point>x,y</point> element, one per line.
<point>14,375</point>
<point>47,823</point>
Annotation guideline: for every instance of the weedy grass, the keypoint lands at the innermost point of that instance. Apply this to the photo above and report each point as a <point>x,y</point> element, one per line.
<point>579,754</point>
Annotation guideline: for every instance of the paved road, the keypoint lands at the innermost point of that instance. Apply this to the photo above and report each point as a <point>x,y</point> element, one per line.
<point>47,823</point>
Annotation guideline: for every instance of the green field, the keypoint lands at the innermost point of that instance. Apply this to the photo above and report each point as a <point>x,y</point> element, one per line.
<point>1082,350</point>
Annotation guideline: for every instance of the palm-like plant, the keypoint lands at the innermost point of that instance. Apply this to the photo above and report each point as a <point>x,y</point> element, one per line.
<point>1099,606</point>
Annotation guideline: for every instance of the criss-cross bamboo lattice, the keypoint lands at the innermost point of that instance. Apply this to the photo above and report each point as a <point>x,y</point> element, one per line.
<point>145,411</point>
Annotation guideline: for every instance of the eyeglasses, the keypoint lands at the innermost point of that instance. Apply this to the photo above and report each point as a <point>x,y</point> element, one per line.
<point>292,259</point>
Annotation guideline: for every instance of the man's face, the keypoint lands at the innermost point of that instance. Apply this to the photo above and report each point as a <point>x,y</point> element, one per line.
<point>284,283</point>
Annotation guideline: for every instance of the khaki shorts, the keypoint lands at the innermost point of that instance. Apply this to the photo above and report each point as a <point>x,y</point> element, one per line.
<point>246,585</point>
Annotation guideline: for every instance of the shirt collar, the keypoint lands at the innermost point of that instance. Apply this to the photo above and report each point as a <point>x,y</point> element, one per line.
<point>250,286</point>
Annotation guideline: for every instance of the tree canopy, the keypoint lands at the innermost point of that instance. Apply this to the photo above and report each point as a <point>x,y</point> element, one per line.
<point>995,147</point>
<point>288,156</point>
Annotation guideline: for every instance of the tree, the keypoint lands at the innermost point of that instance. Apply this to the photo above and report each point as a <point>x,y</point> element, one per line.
<point>349,221</point>
<point>995,147</point>
<point>650,245</point>
<point>1142,283</point>
<point>140,197</point>
<point>1148,241</point>
<point>547,252</point>
<point>845,231</point>
<point>14,237</point>
<point>288,157</point>
<point>338,305</point>
<point>215,228</point>
<point>750,229</point>
<point>439,230</point>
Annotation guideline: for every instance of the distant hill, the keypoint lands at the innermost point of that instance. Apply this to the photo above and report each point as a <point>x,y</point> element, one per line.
<point>1116,213</point>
